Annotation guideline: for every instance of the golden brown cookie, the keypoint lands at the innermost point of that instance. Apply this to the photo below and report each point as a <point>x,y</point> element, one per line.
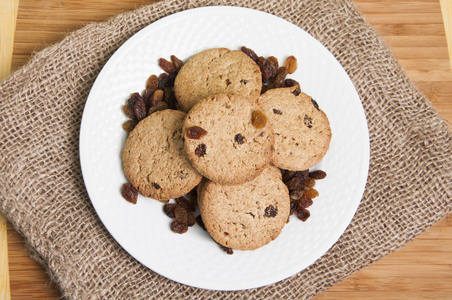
<point>154,159</point>
<point>221,141</point>
<point>302,130</point>
<point>246,216</point>
<point>216,71</point>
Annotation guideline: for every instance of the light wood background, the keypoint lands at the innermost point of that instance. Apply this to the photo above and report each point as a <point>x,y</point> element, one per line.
<point>415,32</point>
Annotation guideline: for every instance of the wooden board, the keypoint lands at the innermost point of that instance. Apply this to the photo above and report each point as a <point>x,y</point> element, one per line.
<point>414,29</point>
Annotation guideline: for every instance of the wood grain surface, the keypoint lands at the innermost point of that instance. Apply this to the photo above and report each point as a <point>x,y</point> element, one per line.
<point>415,32</point>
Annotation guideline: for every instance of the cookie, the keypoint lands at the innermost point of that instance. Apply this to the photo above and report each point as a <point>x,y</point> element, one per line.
<point>154,159</point>
<point>246,216</point>
<point>221,141</point>
<point>217,71</point>
<point>302,130</point>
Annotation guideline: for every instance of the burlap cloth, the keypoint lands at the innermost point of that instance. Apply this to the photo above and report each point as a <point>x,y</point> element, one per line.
<point>43,194</point>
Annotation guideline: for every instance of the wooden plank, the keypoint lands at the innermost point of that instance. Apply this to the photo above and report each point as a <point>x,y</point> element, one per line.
<point>446,9</point>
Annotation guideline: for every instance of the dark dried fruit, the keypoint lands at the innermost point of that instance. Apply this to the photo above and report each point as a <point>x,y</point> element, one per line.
<point>293,207</point>
<point>294,183</point>
<point>164,81</point>
<point>152,83</point>
<point>129,125</point>
<point>303,214</point>
<point>178,227</point>
<point>201,150</point>
<point>296,195</point>
<point>309,183</point>
<point>319,174</point>
<point>291,82</point>
<point>277,111</point>
<point>239,139</point>
<point>156,98</point>
<point>170,98</point>
<point>280,77</point>
<point>274,61</point>
<point>187,204</point>
<point>296,91</point>
<point>155,185</point>
<point>177,63</point>
<point>268,68</point>
<point>291,64</point>
<point>168,209</point>
<point>180,214</point>
<point>129,193</point>
<point>166,66</point>
<point>200,222</point>
<point>270,211</point>
<point>161,106</point>
<point>288,175</point>
<point>307,121</point>
<point>316,105</point>
<point>311,193</point>
<point>195,132</point>
<point>305,203</point>
<point>127,111</point>
<point>227,249</point>
<point>191,220</point>
<point>139,110</point>
<point>258,119</point>
<point>250,53</point>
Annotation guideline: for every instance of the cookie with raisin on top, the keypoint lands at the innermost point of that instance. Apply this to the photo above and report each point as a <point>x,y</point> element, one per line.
<point>228,139</point>
<point>246,216</point>
<point>302,130</point>
<point>154,159</point>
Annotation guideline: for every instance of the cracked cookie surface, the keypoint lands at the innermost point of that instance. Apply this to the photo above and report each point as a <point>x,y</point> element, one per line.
<point>215,71</point>
<point>154,159</point>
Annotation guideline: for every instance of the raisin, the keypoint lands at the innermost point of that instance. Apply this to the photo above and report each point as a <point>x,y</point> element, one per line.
<point>227,249</point>
<point>152,83</point>
<point>296,91</point>
<point>156,98</point>
<point>129,193</point>
<point>163,81</point>
<point>129,125</point>
<point>268,68</point>
<point>178,227</point>
<point>258,119</point>
<point>291,82</point>
<point>303,214</point>
<point>177,63</point>
<point>275,63</point>
<point>127,111</point>
<point>291,64</point>
<point>294,183</point>
<point>280,77</point>
<point>187,204</point>
<point>139,110</point>
<point>271,211</point>
<point>293,207</point>
<point>309,183</point>
<point>308,121</point>
<point>191,220</point>
<point>305,203</point>
<point>277,111</point>
<point>311,193</point>
<point>240,139</point>
<point>156,185</point>
<point>296,195</point>
<point>250,53</point>
<point>168,209</point>
<point>200,222</point>
<point>195,132</point>
<point>161,106</point>
<point>319,174</point>
<point>316,105</point>
<point>201,150</point>
<point>170,98</point>
<point>166,66</point>
<point>180,214</point>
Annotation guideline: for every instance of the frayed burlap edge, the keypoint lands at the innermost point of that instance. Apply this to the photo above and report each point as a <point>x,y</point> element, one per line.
<point>42,190</point>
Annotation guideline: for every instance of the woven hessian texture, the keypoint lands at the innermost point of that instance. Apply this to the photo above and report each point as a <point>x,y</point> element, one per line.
<point>43,194</point>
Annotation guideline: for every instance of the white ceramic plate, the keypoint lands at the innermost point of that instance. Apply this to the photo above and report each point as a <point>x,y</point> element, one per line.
<point>193,258</point>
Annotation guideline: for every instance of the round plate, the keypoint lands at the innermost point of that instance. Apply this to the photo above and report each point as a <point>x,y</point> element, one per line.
<point>193,258</point>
